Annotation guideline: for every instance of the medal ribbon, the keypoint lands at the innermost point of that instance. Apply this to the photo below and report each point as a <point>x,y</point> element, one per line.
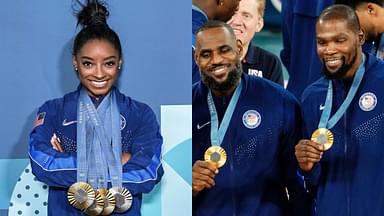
<point>218,133</point>
<point>325,121</point>
<point>106,149</point>
<point>82,154</point>
<point>97,170</point>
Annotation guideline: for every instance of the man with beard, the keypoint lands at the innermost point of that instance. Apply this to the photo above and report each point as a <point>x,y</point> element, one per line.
<point>243,136</point>
<point>204,10</point>
<point>342,165</point>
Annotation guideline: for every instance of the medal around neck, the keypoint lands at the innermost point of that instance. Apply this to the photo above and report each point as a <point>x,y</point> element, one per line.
<point>123,198</point>
<point>216,155</point>
<point>81,195</point>
<point>97,206</point>
<point>323,136</point>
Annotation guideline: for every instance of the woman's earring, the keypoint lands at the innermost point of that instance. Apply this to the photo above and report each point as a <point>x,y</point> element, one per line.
<point>119,67</point>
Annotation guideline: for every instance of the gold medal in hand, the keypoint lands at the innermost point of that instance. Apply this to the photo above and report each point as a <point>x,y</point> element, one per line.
<point>323,136</point>
<point>216,155</point>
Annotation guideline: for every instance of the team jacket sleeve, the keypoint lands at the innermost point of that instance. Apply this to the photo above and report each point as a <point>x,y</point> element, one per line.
<point>311,179</point>
<point>144,169</point>
<point>300,201</point>
<point>48,165</point>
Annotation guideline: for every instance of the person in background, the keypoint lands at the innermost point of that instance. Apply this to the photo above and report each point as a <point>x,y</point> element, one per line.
<point>299,45</point>
<point>371,17</point>
<point>247,21</point>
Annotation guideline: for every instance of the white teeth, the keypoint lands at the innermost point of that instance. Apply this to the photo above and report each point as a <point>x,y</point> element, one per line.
<point>219,69</point>
<point>99,83</point>
<point>333,62</point>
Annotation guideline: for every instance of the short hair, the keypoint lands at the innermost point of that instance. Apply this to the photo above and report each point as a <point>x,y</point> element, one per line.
<point>216,24</point>
<point>260,7</point>
<point>341,12</point>
<point>355,3</point>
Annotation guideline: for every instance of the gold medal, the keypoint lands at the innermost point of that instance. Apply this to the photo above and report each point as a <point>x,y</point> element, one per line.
<point>123,198</point>
<point>109,201</point>
<point>97,206</point>
<point>81,195</point>
<point>216,155</point>
<point>323,136</point>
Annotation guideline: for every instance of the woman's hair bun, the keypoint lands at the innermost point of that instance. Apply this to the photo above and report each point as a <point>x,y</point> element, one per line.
<point>93,13</point>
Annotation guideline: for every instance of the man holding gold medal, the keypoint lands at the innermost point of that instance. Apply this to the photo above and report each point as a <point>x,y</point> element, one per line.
<point>342,165</point>
<point>243,135</point>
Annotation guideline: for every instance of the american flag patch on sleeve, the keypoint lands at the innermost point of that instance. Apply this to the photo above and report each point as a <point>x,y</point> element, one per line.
<point>39,119</point>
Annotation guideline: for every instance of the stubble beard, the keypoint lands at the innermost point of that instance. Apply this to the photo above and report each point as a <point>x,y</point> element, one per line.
<point>341,72</point>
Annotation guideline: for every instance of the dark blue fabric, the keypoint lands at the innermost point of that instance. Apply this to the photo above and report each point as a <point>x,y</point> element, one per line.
<point>260,161</point>
<point>140,136</point>
<point>299,53</point>
<point>375,46</point>
<point>349,178</point>
<point>198,19</point>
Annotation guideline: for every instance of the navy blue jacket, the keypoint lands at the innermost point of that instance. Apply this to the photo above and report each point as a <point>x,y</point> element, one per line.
<point>260,62</point>
<point>259,143</point>
<point>140,136</point>
<point>349,178</point>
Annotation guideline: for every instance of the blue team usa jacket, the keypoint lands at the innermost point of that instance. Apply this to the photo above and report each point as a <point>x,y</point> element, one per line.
<point>349,179</point>
<point>140,136</point>
<point>260,163</point>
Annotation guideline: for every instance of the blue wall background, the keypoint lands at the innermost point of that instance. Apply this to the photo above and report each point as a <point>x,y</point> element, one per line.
<point>35,63</point>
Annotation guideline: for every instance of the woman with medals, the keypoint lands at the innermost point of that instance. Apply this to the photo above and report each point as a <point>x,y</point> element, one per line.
<point>96,148</point>
<point>342,162</point>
